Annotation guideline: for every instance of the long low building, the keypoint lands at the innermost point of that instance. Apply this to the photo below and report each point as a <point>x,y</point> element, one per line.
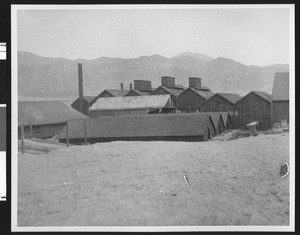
<point>44,119</point>
<point>132,105</point>
<point>186,127</point>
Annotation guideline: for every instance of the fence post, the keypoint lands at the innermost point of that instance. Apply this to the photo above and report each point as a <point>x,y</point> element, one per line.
<point>67,132</point>
<point>22,140</point>
<point>85,135</point>
<point>30,125</point>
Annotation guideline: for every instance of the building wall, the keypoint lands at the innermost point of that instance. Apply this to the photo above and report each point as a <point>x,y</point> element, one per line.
<point>217,104</point>
<point>253,108</point>
<point>103,113</point>
<point>189,100</point>
<point>280,111</point>
<point>86,106</point>
<point>42,132</point>
<point>161,91</point>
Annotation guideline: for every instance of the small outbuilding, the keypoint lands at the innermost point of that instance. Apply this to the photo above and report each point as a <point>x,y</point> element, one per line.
<point>44,119</point>
<point>190,99</point>
<point>220,102</point>
<point>132,105</point>
<point>255,106</point>
<point>280,98</point>
<point>183,127</point>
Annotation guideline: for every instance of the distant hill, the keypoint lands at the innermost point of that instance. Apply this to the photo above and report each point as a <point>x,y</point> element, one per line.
<point>56,78</point>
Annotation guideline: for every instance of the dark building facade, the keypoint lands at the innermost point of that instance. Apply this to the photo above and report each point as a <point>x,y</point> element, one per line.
<point>255,106</point>
<point>280,98</point>
<point>87,103</point>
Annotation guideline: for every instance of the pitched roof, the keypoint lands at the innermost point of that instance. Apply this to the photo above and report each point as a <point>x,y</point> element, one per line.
<point>132,102</point>
<point>138,92</point>
<point>116,93</point>
<point>231,97</point>
<point>153,125</point>
<point>280,87</point>
<point>203,93</point>
<point>173,91</point>
<point>88,99</point>
<point>45,112</point>
<point>263,95</point>
<point>215,116</point>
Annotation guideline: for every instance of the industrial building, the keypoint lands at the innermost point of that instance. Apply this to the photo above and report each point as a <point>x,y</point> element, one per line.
<point>87,103</point>
<point>44,119</point>
<point>255,106</point>
<point>218,121</point>
<point>220,102</point>
<point>187,127</point>
<point>132,105</point>
<point>141,88</point>
<point>280,98</point>
<point>191,98</point>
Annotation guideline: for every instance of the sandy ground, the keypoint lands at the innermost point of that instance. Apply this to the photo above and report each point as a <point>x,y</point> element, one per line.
<point>142,183</point>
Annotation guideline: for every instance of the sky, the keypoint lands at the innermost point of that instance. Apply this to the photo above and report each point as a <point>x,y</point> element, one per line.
<point>249,36</point>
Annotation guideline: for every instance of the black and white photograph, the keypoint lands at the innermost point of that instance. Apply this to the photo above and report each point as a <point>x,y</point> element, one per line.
<point>153,117</point>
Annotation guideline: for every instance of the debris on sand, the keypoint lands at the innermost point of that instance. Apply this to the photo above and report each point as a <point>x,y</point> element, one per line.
<point>284,170</point>
<point>186,180</point>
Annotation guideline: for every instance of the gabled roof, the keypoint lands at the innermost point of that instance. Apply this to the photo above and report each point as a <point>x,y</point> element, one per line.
<point>88,99</point>
<point>45,112</point>
<point>280,90</point>
<point>138,92</point>
<point>154,125</point>
<point>116,93</point>
<point>264,95</point>
<point>215,116</point>
<point>173,91</point>
<point>203,93</point>
<point>132,102</point>
<point>230,97</point>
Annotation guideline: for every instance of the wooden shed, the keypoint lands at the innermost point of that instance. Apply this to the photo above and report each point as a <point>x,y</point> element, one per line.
<point>183,127</point>
<point>192,97</point>
<point>255,106</point>
<point>87,103</point>
<point>132,105</point>
<point>220,102</point>
<point>280,98</point>
<point>44,118</point>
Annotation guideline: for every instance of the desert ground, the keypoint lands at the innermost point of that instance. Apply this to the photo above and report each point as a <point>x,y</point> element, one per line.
<point>232,182</point>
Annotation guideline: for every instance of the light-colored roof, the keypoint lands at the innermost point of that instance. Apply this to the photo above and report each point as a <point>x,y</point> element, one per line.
<point>45,112</point>
<point>253,123</point>
<point>280,90</point>
<point>153,125</point>
<point>132,102</point>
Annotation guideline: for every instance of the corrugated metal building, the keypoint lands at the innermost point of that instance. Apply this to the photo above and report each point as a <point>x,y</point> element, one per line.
<point>188,127</point>
<point>87,103</point>
<point>255,106</point>
<point>220,102</point>
<point>191,98</point>
<point>280,98</point>
<point>132,105</point>
<point>47,118</point>
<point>168,86</point>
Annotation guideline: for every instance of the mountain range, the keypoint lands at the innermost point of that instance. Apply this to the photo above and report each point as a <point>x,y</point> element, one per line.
<point>56,78</point>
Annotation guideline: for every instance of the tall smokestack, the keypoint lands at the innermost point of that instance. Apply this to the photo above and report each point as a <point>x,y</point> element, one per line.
<point>80,82</point>
<point>122,86</point>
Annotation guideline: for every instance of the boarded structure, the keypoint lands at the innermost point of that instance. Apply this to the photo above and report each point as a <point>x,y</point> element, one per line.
<point>220,102</point>
<point>188,127</point>
<point>218,121</point>
<point>87,103</point>
<point>280,98</point>
<point>132,105</point>
<point>227,120</point>
<point>168,86</point>
<point>191,98</point>
<point>255,106</point>
<point>44,119</point>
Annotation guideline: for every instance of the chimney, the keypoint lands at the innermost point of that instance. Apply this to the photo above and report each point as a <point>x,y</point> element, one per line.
<point>130,86</point>
<point>168,81</point>
<point>195,82</point>
<point>142,85</point>
<point>122,86</point>
<point>80,83</point>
